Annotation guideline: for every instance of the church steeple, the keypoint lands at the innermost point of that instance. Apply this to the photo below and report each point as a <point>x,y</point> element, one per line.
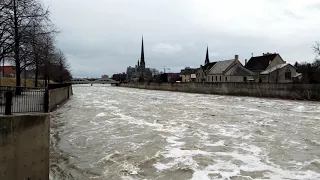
<point>138,63</point>
<point>207,57</point>
<point>142,62</point>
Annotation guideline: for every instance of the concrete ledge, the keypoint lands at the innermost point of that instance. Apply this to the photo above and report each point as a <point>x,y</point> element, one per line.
<point>24,147</point>
<point>59,96</point>
<point>284,91</point>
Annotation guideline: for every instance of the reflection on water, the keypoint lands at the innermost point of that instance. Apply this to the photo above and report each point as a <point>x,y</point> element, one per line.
<point>108,132</point>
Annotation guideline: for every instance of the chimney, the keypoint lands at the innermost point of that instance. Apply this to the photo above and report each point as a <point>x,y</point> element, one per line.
<point>236,57</point>
<point>245,62</point>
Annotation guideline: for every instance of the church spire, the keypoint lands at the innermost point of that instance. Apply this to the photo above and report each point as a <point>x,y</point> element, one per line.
<point>207,57</point>
<point>142,62</point>
<point>138,63</point>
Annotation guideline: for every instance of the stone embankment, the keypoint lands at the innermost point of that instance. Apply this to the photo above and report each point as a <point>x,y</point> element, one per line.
<point>58,96</point>
<point>284,91</point>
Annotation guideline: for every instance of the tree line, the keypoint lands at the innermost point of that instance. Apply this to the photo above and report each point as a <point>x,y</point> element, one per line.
<point>310,71</point>
<point>27,39</point>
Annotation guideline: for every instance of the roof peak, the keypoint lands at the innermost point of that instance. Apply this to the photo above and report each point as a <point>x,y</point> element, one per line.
<point>207,60</point>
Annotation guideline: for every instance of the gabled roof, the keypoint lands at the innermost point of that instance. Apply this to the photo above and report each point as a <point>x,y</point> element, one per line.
<point>221,66</point>
<point>279,66</point>
<point>238,70</point>
<point>260,63</point>
<point>208,66</point>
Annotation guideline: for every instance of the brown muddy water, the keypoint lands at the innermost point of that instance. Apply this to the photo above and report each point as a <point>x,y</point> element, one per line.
<point>106,132</point>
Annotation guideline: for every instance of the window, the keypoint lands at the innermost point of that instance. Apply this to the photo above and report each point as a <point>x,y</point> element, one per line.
<point>287,75</point>
<point>220,78</point>
<point>226,79</point>
<point>244,79</point>
<point>216,78</point>
<point>212,78</point>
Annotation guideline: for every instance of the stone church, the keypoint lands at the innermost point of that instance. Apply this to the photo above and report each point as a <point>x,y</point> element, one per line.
<point>139,72</point>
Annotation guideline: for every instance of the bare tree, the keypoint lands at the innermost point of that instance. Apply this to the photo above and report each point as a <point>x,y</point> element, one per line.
<point>5,44</point>
<point>18,16</point>
<point>27,38</point>
<point>316,48</point>
<point>37,41</point>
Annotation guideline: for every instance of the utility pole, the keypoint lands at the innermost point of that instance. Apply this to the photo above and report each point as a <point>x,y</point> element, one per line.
<point>164,69</point>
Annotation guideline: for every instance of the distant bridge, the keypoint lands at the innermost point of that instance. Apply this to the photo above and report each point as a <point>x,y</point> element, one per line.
<point>97,81</point>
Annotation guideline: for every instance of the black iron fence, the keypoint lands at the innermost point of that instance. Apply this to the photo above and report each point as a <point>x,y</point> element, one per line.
<point>23,100</point>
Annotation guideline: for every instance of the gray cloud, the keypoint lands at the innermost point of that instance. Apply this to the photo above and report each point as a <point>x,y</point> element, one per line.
<point>104,36</point>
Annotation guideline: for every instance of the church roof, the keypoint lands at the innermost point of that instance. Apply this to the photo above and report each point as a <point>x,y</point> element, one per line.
<point>142,54</point>
<point>238,70</point>
<point>208,66</point>
<point>221,66</point>
<point>207,60</point>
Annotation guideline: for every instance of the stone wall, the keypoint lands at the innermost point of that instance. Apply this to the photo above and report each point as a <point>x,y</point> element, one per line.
<point>286,91</point>
<point>24,147</point>
<point>58,96</point>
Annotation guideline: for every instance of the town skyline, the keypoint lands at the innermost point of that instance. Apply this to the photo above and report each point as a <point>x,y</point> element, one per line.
<point>103,37</point>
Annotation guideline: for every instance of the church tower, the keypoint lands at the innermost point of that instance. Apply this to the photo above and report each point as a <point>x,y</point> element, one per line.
<point>207,57</point>
<point>142,62</point>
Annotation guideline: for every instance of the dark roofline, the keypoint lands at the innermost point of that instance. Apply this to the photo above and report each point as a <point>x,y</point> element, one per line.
<point>260,63</point>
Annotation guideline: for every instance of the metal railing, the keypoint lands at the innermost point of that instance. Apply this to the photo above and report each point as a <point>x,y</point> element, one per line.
<point>28,100</point>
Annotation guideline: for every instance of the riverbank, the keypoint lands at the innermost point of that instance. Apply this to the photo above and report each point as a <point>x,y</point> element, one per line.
<point>284,91</point>
<point>8,81</point>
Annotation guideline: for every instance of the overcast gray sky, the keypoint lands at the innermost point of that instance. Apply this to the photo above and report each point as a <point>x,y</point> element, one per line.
<point>104,36</point>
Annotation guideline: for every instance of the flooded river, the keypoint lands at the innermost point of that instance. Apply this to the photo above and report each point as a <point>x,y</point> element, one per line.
<point>118,133</point>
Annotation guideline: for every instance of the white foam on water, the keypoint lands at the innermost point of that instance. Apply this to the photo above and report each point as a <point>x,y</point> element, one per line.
<point>161,167</point>
<point>94,123</point>
<point>299,108</point>
<point>101,114</point>
<point>130,168</point>
<point>200,175</point>
<point>253,163</point>
<point>179,153</point>
<point>249,136</point>
<point>255,150</point>
<point>223,170</point>
<point>180,157</point>
<point>136,121</point>
<point>174,142</point>
<point>232,132</point>
<point>218,143</point>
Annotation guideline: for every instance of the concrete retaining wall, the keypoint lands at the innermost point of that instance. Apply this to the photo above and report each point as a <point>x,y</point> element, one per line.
<point>286,91</point>
<point>24,147</point>
<point>57,96</point>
